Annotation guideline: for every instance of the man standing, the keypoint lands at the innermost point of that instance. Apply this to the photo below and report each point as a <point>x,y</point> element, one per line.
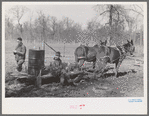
<point>20,52</point>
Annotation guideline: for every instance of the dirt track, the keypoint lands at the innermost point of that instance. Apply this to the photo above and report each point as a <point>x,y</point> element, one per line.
<point>128,84</point>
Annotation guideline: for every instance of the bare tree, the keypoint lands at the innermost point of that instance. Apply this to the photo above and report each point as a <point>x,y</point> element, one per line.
<point>112,13</point>
<point>93,25</point>
<point>18,12</point>
<point>31,25</point>
<point>9,27</point>
<point>67,26</point>
<point>42,24</point>
<point>53,26</point>
<point>118,16</point>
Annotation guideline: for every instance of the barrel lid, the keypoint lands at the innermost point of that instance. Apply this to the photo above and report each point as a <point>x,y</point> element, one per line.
<point>35,50</point>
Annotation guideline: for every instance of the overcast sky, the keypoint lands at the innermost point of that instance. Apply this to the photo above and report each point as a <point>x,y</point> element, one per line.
<point>77,11</point>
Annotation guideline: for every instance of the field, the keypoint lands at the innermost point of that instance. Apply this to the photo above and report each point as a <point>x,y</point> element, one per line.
<point>128,84</point>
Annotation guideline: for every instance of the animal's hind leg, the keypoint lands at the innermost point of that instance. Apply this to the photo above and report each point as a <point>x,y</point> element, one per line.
<point>115,69</point>
<point>76,59</point>
<point>94,63</point>
<point>81,62</point>
<point>117,65</point>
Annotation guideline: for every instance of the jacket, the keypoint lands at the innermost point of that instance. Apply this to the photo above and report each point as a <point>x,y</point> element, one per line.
<point>57,63</point>
<point>20,52</point>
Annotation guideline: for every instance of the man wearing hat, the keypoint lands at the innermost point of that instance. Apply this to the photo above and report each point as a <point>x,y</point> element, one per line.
<point>57,61</point>
<point>20,52</point>
<point>56,66</point>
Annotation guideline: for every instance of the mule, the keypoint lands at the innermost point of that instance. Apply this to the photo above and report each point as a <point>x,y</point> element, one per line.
<point>115,55</point>
<point>85,53</point>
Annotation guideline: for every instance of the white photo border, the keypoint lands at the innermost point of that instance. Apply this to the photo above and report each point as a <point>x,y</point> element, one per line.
<point>118,105</point>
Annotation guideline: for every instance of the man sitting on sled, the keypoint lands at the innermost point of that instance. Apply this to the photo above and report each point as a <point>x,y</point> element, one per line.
<point>69,74</point>
<point>54,69</point>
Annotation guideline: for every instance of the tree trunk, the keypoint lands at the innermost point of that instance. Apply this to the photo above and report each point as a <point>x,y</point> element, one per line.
<point>43,39</point>
<point>110,21</point>
<point>141,38</point>
<point>21,29</point>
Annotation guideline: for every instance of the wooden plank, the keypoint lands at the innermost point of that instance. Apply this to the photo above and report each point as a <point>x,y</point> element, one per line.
<point>38,80</point>
<point>19,74</point>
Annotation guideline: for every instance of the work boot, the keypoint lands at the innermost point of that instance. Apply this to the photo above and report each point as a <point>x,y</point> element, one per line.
<point>19,69</point>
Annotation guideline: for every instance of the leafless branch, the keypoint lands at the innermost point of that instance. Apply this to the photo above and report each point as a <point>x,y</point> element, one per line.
<point>117,12</point>
<point>139,7</point>
<point>135,11</point>
<point>104,12</point>
<point>18,12</point>
<point>134,7</point>
<point>137,17</point>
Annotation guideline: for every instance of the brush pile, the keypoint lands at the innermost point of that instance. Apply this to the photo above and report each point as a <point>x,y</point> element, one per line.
<point>68,74</point>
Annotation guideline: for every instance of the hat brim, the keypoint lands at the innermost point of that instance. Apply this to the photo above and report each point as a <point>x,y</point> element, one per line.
<point>58,56</point>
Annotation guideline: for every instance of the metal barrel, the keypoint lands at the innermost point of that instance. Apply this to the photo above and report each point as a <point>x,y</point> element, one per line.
<point>35,61</point>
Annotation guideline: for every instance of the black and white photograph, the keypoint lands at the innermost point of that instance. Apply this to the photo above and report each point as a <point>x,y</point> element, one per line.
<point>82,57</point>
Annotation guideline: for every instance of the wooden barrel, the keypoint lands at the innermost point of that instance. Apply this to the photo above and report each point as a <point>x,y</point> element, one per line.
<point>35,61</point>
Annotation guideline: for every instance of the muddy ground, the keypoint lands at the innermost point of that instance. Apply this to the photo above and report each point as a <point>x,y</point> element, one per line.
<point>128,84</point>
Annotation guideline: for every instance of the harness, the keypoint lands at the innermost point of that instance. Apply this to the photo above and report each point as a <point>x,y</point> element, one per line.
<point>122,54</point>
<point>116,48</point>
<point>82,57</point>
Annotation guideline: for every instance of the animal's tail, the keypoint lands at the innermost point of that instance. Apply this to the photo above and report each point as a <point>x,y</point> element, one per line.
<point>84,49</point>
<point>83,53</point>
<point>76,56</point>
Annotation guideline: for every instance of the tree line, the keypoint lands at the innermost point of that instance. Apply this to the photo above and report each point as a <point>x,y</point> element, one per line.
<point>119,25</point>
